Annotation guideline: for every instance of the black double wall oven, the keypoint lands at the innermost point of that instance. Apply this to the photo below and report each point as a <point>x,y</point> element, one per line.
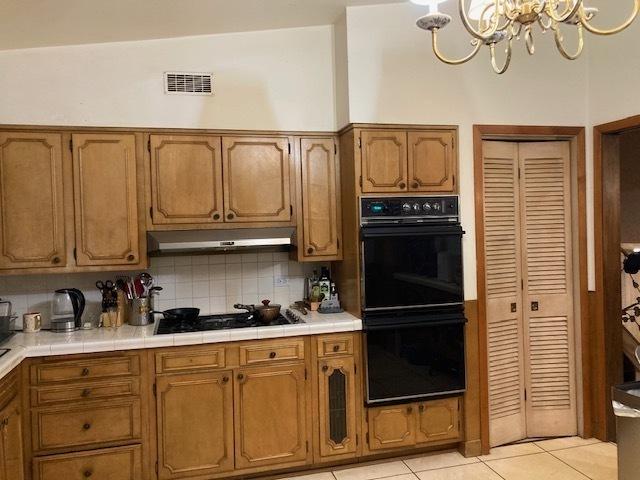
<point>412,298</point>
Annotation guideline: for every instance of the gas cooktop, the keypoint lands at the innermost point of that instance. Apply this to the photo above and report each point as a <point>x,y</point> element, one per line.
<point>224,321</point>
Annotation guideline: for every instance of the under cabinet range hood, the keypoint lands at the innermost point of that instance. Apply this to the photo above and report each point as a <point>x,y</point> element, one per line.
<point>194,241</point>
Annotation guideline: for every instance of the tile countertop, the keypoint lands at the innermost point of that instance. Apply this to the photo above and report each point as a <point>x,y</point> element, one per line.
<point>43,343</point>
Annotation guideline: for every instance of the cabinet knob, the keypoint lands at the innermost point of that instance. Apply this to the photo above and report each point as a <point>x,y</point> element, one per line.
<point>325,368</point>
<point>421,408</point>
<point>402,185</point>
<point>231,216</point>
<point>86,392</point>
<point>87,473</point>
<point>225,379</point>
<point>409,410</point>
<point>216,216</point>
<point>240,376</point>
<point>336,348</point>
<point>86,426</point>
<point>415,185</point>
<point>55,260</point>
<point>131,257</point>
<point>85,372</point>
<point>272,355</point>
<point>310,250</point>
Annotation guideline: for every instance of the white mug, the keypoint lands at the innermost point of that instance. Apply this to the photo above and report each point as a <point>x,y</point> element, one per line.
<point>31,322</point>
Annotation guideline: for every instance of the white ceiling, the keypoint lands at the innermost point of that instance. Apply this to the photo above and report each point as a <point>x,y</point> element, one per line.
<point>40,23</point>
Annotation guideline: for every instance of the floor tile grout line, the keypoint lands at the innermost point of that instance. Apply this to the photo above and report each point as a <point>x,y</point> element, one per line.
<point>511,456</point>
<point>569,448</point>
<point>444,468</point>
<point>571,466</point>
<point>489,467</point>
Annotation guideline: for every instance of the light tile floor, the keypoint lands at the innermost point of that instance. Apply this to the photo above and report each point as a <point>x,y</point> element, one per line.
<point>558,459</point>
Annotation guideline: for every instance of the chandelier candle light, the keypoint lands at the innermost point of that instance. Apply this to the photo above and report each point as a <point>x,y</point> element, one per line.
<point>491,22</point>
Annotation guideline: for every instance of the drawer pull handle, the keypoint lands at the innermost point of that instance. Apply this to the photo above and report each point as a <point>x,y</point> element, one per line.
<point>85,372</point>
<point>86,426</point>
<point>87,473</point>
<point>272,355</point>
<point>336,348</point>
<point>325,368</point>
<point>86,392</point>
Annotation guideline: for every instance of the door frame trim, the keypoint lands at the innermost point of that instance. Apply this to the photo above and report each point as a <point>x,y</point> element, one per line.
<point>576,135</point>
<point>607,339</point>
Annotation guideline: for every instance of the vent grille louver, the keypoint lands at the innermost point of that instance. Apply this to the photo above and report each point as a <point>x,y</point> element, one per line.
<point>183,83</point>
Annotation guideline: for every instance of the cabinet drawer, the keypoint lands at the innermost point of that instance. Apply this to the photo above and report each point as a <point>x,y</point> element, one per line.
<point>190,359</point>
<point>86,369</point>
<point>84,391</point>
<point>272,351</point>
<point>123,463</point>
<point>85,424</point>
<point>335,345</point>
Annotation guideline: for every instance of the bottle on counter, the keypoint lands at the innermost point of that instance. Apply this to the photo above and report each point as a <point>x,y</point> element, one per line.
<point>325,284</point>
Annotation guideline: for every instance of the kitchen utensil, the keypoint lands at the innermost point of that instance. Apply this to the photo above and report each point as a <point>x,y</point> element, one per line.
<point>7,320</point>
<point>300,307</point>
<point>141,312</point>
<point>138,288</point>
<point>180,314</point>
<point>154,290</point>
<point>109,295</point>
<point>67,307</point>
<point>123,285</point>
<point>266,312</point>
<point>31,322</point>
<point>147,282</point>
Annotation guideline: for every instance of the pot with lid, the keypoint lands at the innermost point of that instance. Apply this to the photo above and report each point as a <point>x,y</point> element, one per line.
<point>265,313</point>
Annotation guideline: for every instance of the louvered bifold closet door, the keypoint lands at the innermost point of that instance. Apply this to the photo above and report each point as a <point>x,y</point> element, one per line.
<point>548,288</point>
<point>503,293</point>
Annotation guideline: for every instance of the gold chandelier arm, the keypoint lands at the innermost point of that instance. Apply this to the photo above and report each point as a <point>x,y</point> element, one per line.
<point>507,61</point>
<point>582,15</point>
<point>442,58</point>
<point>490,30</point>
<point>560,45</point>
<point>568,12</point>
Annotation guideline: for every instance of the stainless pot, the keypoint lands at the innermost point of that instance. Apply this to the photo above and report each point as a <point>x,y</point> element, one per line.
<point>265,313</point>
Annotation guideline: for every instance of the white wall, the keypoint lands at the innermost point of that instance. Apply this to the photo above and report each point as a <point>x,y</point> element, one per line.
<point>280,79</point>
<point>395,78</point>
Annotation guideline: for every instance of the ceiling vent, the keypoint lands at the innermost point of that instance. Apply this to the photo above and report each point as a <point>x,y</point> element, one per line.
<point>183,83</point>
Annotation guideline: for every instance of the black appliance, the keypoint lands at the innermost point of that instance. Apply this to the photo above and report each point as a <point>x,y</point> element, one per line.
<point>412,297</point>
<point>7,321</point>
<point>219,322</point>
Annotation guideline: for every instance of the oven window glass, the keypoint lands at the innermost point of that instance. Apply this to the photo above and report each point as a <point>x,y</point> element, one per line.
<point>412,270</point>
<point>415,362</point>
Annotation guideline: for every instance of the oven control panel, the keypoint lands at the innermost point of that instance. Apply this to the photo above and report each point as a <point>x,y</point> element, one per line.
<point>413,207</point>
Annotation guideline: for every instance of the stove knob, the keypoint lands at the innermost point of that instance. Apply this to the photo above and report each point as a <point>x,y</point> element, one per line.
<point>406,207</point>
<point>417,208</point>
<point>426,207</point>
<point>437,207</point>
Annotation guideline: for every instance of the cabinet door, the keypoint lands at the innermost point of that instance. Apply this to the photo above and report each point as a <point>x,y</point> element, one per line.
<point>11,440</point>
<point>256,179</point>
<point>337,406</point>
<point>321,231</point>
<point>270,416</point>
<point>391,427</point>
<point>432,165</point>
<point>32,222</point>
<point>106,199</point>
<point>384,161</point>
<point>195,424</point>
<point>186,180</point>
<point>439,420</point>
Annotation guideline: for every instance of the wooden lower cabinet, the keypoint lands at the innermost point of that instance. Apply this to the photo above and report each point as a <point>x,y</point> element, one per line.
<point>438,420</point>
<point>11,466</point>
<point>391,427</point>
<point>271,416</point>
<point>195,425</point>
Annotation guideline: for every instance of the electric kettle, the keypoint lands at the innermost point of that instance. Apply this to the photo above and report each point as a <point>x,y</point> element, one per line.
<point>66,312</point>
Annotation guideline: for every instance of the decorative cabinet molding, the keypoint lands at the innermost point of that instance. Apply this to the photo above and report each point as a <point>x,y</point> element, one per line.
<point>438,420</point>
<point>186,179</point>
<point>391,427</point>
<point>11,456</point>
<point>106,199</point>
<point>32,213</point>
<point>384,161</point>
<point>432,165</point>
<point>256,172</point>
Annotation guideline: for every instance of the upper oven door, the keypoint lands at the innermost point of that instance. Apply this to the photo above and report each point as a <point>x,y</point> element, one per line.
<point>411,266</point>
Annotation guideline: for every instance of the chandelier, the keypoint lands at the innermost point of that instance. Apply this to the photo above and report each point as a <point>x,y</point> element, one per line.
<point>494,22</point>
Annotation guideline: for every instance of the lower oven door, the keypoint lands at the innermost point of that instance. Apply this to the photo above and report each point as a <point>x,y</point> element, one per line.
<point>415,359</point>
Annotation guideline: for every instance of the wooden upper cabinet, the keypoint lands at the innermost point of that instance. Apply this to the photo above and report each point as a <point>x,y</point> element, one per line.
<point>320,217</point>
<point>256,179</point>
<point>186,179</point>
<point>432,164</point>
<point>384,161</point>
<point>106,199</point>
<point>195,425</point>
<point>32,222</point>
<point>270,416</point>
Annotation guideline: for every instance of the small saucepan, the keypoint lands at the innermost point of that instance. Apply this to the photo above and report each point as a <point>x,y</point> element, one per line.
<point>265,313</point>
<point>182,315</point>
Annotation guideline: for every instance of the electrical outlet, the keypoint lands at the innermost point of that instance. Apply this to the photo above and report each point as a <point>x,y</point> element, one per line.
<point>281,282</point>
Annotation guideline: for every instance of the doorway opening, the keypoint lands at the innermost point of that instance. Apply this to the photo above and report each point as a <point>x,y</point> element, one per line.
<point>532,286</point>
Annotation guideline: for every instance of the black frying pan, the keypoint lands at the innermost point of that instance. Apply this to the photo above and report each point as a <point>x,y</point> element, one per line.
<point>180,314</point>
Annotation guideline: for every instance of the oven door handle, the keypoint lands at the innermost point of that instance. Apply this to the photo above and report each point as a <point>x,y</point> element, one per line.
<point>425,324</point>
<point>397,231</point>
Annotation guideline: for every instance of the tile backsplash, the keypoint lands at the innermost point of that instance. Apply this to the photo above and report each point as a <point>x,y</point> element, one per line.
<point>212,283</point>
